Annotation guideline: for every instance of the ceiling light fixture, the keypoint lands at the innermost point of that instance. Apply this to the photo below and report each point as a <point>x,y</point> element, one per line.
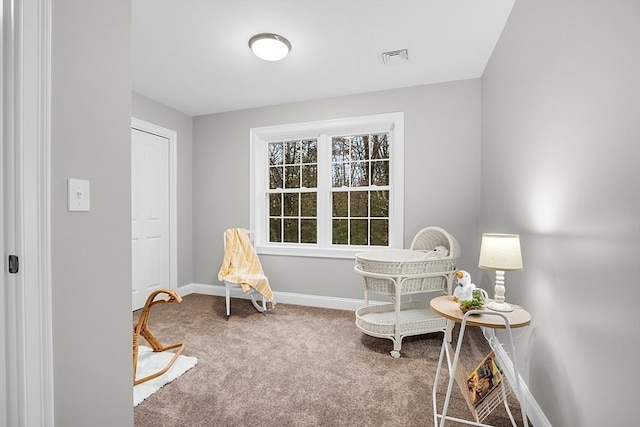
<point>269,46</point>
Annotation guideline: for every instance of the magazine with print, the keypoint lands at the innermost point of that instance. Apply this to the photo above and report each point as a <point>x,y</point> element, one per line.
<point>484,380</point>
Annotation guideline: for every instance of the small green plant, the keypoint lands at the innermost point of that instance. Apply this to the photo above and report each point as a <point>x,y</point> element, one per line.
<point>476,303</point>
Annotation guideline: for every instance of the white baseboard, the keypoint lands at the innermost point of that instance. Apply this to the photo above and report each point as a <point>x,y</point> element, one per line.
<point>282,297</point>
<point>533,410</point>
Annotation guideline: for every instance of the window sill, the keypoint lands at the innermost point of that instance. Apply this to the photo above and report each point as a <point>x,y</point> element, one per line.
<point>297,251</point>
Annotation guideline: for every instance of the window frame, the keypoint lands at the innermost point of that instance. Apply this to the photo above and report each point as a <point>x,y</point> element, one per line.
<point>323,130</point>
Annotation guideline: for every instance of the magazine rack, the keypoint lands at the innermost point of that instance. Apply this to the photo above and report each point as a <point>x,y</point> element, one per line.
<point>446,307</point>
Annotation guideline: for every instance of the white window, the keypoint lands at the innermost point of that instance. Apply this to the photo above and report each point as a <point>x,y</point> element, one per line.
<point>330,188</point>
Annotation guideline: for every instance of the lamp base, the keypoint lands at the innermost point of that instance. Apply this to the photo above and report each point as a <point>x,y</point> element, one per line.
<point>499,306</point>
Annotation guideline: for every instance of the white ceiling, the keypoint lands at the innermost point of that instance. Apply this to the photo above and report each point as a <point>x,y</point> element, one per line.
<point>192,55</point>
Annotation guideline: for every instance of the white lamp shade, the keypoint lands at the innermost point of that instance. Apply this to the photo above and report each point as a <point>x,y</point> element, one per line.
<point>270,47</point>
<point>500,252</point>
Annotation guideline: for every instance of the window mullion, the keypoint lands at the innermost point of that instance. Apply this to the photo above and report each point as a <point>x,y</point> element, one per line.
<point>324,191</point>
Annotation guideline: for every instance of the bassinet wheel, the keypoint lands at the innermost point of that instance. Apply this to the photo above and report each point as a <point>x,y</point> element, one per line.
<point>395,354</point>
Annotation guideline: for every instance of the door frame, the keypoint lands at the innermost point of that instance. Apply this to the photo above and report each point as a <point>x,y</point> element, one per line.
<point>172,137</point>
<point>27,388</point>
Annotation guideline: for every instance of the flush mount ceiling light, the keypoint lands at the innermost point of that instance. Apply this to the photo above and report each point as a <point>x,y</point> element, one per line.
<point>269,46</point>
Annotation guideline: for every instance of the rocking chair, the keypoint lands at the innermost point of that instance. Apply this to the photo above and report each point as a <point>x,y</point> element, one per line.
<point>237,271</point>
<point>141,329</point>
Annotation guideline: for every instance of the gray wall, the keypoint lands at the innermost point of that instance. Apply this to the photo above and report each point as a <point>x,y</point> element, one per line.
<point>153,112</point>
<point>442,172</point>
<point>561,166</point>
<point>91,251</point>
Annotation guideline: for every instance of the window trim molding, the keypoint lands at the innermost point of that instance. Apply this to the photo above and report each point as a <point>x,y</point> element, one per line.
<point>260,136</point>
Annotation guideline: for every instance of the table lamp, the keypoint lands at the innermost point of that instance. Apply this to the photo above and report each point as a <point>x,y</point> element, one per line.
<point>500,252</point>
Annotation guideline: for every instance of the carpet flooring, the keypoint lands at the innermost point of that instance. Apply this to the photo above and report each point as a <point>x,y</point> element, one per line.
<point>297,366</point>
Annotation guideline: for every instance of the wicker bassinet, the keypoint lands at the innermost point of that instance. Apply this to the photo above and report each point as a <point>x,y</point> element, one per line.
<point>398,272</point>
<point>419,272</point>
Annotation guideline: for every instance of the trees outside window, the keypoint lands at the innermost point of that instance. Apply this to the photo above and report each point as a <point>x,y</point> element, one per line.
<point>330,188</point>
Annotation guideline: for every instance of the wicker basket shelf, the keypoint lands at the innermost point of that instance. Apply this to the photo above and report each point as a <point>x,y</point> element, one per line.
<point>398,272</point>
<point>413,318</point>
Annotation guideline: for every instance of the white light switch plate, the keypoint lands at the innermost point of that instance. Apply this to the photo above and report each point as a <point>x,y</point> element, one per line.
<point>78,194</point>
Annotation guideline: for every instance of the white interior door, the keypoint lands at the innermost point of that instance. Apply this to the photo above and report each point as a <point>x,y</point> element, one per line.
<point>150,215</point>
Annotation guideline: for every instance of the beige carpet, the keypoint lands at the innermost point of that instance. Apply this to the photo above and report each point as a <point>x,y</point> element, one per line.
<point>297,366</point>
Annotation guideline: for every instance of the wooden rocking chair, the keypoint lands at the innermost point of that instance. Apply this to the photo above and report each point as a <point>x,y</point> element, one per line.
<point>141,329</point>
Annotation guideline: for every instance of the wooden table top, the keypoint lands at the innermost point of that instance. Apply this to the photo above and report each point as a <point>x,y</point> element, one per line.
<point>446,307</point>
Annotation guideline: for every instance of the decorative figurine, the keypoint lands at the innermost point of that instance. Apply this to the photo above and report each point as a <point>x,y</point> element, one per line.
<point>464,290</point>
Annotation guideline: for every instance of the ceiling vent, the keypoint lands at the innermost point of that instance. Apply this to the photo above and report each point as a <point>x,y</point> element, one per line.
<point>395,56</point>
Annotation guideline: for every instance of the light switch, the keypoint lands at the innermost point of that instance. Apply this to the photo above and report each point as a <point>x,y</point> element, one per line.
<point>78,194</point>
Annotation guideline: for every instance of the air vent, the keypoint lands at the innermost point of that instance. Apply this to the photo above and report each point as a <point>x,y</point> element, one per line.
<point>395,56</point>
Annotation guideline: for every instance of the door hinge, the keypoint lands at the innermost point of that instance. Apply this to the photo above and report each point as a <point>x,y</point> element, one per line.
<point>14,264</point>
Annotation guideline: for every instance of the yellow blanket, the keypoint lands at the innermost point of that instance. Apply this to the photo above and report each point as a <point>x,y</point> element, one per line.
<point>241,264</point>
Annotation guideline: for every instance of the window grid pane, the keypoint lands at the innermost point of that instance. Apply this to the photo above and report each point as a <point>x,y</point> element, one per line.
<point>309,205</point>
<point>380,146</point>
<point>359,204</point>
<point>275,229</point>
<point>340,231</point>
<point>292,176</point>
<point>308,230</point>
<point>379,204</point>
<point>380,173</point>
<point>291,230</point>
<point>275,153</point>
<point>358,232</point>
<point>359,148</point>
<point>379,234</point>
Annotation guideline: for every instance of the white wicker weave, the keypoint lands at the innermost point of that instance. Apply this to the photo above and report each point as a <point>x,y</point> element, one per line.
<point>392,261</point>
<point>415,317</point>
<point>398,272</point>
<point>430,237</point>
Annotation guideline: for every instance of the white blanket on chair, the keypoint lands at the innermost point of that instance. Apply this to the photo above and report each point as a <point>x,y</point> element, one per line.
<point>241,264</point>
